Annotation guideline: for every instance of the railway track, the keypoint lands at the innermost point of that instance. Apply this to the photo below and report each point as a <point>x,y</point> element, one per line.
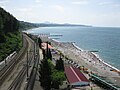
<point>8,69</point>
<point>21,76</point>
<point>15,85</point>
<point>31,81</point>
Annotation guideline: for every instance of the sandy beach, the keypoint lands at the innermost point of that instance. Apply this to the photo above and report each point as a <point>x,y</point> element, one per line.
<point>89,60</point>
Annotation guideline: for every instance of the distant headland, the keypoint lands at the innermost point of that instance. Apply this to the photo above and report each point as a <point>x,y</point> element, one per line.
<point>29,25</point>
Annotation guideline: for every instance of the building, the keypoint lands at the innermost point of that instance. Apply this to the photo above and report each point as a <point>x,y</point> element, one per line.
<point>44,46</point>
<point>75,77</point>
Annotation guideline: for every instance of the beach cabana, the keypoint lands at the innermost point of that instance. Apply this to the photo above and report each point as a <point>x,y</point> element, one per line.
<point>75,77</point>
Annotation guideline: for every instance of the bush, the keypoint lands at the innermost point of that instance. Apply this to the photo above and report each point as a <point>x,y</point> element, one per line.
<point>13,43</point>
<point>57,76</point>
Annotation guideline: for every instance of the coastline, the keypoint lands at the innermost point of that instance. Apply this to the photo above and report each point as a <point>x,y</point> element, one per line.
<point>105,63</point>
<point>89,60</point>
<point>94,54</point>
<point>112,67</point>
<point>77,47</point>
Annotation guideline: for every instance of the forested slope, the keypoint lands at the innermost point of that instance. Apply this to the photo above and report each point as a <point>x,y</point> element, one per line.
<point>10,38</point>
<point>26,25</point>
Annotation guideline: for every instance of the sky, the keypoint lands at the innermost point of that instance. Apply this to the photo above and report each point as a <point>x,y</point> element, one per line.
<point>87,12</point>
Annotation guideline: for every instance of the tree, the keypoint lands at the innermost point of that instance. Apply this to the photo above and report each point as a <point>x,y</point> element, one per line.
<point>40,42</point>
<point>45,76</point>
<point>60,64</point>
<point>48,52</point>
<point>57,78</point>
<point>49,76</point>
<point>44,54</point>
<point>10,38</point>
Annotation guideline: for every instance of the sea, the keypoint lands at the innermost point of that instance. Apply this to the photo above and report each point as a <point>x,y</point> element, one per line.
<point>105,40</point>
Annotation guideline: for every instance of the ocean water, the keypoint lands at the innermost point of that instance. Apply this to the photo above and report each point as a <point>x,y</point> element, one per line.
<point>105,40</point>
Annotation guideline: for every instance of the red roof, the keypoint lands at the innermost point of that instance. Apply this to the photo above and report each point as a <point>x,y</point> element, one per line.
<point>74,75</point>
<point>44,46</point>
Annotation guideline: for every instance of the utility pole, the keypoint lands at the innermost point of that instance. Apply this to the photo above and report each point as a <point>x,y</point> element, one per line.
<point>27,66</point>
<point>37,47</point>
<point>34,52</point>
<point>47,50</point>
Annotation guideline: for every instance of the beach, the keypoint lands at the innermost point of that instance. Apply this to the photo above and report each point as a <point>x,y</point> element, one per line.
<point>89,60</point>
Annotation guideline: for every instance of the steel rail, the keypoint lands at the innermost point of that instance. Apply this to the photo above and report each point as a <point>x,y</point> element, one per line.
<point>15,85</point>
<point>8,69</point>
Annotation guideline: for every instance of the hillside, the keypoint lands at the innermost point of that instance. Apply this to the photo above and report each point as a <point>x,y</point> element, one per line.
<point>27,25</point>
<point>10,38</point>
<point>59,25</point>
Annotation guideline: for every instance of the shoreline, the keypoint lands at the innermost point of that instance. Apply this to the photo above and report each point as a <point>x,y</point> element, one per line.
<point>94,54</point>
<point>77,47</point>
<point>97,56</point>
<point>107,64</point>
<point>87,59</point>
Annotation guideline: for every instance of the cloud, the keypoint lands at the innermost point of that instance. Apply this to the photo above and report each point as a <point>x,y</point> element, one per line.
<point>24,9</point>
<point>82,2</point>
<point>59,8</point>
<point>3,6</point>
<point>25,14</point>
<point>37,6</point>
<point>38,1</point>
<point>115,5</point>
<point>105,3</point>
<point>112,4</point>
<point>4,1</point>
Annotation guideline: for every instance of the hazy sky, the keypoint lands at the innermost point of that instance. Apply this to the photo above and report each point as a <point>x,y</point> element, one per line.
<point>91,12</point>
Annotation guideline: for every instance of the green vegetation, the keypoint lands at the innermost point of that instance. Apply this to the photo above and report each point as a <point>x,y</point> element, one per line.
<point>57,79</point>
<point>57,76</point>
<point>60,65</point>
<point>50,77</point>
<point>40,42</point>
<point>26,25</point>
<point>45,72</point>
<point>10,38</point>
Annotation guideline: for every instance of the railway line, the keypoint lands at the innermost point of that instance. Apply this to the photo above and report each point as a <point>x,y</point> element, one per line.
<point>31,81</point>
<point>20,77</point>
<point>9,69</point>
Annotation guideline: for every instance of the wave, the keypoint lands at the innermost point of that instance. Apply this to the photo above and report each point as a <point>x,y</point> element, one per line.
<point>98,58</point>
